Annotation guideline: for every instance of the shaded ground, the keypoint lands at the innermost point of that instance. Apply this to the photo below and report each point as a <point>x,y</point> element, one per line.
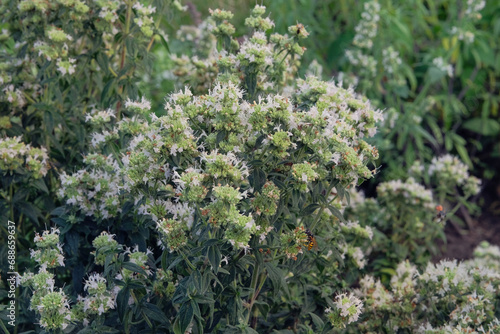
<point>461,243</point>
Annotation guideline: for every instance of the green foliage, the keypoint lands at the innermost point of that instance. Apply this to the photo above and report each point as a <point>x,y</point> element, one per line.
<point>234,209</point>
<point>432,65</point>
<point>238,192</point>
<point>445,297</point>
<point>61,60</point>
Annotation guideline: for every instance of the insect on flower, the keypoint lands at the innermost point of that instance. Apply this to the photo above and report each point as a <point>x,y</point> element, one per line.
<point>311,240</point>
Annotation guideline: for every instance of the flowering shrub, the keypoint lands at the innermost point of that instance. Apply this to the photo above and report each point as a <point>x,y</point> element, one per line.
<point>269,62</point>
<point>22,168</point>
<point>407,216</point>
<point>42,45</point>
<point>232,185</point>
<point>50,304</point>
<point>429,74</point>
<point>59,62</point>
<point>234,209</point>
<point>446,297</point>
<point>431,66</point>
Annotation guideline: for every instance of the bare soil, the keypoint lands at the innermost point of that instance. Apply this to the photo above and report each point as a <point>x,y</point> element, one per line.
<point>461,241</point>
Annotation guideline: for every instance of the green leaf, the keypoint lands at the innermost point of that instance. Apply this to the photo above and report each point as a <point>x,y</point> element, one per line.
<point>184,318</point>
<point>402,31</point>
<point>308,210</point>
<point>164,42</point>
<point>201,299</point>
<point>40,185</point>
<point>220,136</point>
<point>214,256</point>
<point>196,309</point>
<point>464,155</point>
<point>483,126</point>
<point>103,61</point>
<point>105,90</point>
<point>317,320</point>
<point>28,209</point>
<point>425,134</point>
<point>486,53</point>
<point>155,313</point>
<point>257,179</point>
<point>276,276</point>
<point>402,91</point>
<point>122,302</point>
<point>131,46</point>
<point>48,121</point>
<point>134,267</point>
<point>336,212</point>
<point>435,74</point>
<point>389,271</point>
<point>59,211</point>
<point>263,308</point>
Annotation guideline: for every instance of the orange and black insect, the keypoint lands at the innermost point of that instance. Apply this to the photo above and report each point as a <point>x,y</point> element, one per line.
<point>311,240</point>
<point>441,214</point>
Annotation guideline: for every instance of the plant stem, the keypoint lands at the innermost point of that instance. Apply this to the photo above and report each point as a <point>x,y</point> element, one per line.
<point>124,52</point>
<point>253,286</point>
<point>187,260</point>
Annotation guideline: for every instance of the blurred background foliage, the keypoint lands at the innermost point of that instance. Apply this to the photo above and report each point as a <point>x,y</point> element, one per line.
<point>429,112</point>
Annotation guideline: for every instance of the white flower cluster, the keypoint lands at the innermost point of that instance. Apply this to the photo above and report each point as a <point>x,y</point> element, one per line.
<point>390,60</point>
<point>199,70</point>
<point>260,63</point>
<point>49,252</point>
<point>66,66</point>
<point>347,309</point>
<point>12,94</point>
<point>349,305</point>
<point>53,306</point>
<point>105,136</point>
<point>380,297</point>
<point>443,66</point>
<point>144,19</point>
<point>99,299</point>
<point>96,190</point>
<point>450,172</point>
<point>57,38</point>
<point>357,230</point>
<point>366,29</point>
<point>463,35</point>
<point>100,117</point>
<point>50,304</point>
<point>412,191</point>
<point>455,298</point>
<point>447,275</point>
<point>366,62</point>
<point>200,146</point>
<point>403,282</point>
<point>487,251</point>
<point>355,253</point>
<point>473,8</point>
<point>16,155</point>
<point>102,186</point>
<point>107,11</point>
<point>142,107</point>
